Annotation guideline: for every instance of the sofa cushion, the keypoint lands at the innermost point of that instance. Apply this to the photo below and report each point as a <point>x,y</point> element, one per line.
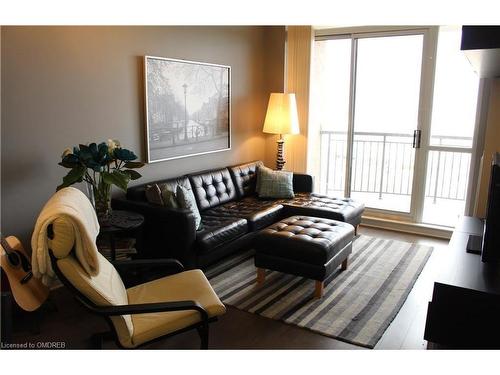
<point>153,194</point>
<point>212,188</point>
<point>169,197</point>
<point>161,196</point>
<point>138,193</point>
<point>258,212</point>
<point>245,177</point>
<point>343,209</point>
<point>217,231</point>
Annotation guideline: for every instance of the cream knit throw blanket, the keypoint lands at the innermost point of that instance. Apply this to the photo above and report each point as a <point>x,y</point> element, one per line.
<point>75,207</point>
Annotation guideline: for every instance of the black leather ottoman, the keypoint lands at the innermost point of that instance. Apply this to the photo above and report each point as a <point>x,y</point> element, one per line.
<point>305,246</point>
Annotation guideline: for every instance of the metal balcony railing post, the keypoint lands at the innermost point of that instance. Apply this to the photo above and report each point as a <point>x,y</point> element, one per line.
<point>328,163</point>
<point>382,169</point>
<point>437,177</point>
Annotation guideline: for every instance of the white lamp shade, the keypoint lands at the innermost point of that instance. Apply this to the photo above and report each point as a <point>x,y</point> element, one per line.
<point>281,116</point>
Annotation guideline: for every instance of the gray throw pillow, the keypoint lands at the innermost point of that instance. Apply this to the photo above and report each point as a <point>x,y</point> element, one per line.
<point>153,194</point>
<point>260,169</point>
<point>186,200</point>
<point>169,198</point>
<point>274,184</point>
<point>161,195</point>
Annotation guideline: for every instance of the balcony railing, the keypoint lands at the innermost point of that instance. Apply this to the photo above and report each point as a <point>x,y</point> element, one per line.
<point>383,163</point>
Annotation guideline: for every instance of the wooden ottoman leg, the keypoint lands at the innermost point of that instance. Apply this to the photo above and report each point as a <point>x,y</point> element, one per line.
<point>345,263</point>
<point>261,275</point>
<point>319,287</point>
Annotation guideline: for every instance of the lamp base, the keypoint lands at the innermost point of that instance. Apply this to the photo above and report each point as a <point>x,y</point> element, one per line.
<point>280,161</point>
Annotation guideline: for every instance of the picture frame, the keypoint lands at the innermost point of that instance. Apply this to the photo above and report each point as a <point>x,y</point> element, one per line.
<point>187,108</point>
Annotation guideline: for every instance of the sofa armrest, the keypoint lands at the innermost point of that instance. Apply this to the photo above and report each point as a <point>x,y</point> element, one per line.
<point>302,183</point>
<point>167,232</point>
<point>148,209</point>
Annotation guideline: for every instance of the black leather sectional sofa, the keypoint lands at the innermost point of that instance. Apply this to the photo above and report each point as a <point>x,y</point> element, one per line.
<point>231,213</point>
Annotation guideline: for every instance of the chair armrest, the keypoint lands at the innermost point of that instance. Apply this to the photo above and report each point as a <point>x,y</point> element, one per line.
<point>302,183</point>
<point>149,308</point>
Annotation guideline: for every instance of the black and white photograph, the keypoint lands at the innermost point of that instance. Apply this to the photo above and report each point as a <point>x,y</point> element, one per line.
<point>187,108</point>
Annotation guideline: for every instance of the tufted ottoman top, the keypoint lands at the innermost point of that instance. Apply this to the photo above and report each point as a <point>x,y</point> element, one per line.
<point>304,238</point>
<point>344,209</point>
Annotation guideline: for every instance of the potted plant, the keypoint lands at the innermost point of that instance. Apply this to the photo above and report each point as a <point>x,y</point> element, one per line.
<point>101,166</point>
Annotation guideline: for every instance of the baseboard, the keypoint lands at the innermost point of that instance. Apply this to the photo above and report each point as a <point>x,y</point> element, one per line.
<point>414,228</point>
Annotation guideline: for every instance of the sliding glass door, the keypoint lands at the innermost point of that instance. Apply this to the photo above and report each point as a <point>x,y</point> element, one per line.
<point>366,98</point>
<point>386,96</point>
<point>387,134</point>
<point>449,149</point>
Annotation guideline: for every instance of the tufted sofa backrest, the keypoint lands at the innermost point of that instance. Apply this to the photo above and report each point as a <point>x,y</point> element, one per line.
<point>245,177</point>
<point>212,188</point>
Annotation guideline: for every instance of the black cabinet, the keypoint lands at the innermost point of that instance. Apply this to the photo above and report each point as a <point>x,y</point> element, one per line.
<point>465,307</point>
<point>481,45</point>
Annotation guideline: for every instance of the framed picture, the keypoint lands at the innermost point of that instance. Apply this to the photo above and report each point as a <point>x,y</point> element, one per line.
<point>188,108</point>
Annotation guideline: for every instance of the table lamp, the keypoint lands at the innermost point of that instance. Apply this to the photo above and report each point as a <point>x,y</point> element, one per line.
<point>281,118</point>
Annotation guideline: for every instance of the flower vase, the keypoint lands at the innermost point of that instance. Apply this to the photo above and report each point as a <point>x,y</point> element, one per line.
<point>100,196</point>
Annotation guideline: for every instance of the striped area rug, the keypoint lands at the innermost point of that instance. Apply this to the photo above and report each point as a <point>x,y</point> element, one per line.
<point>358,304</point>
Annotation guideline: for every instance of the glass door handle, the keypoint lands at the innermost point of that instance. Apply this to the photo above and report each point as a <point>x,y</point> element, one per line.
<point>417,134</point>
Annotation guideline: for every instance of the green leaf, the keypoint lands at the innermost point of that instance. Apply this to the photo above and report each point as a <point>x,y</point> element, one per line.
<point>117,178</point>
<point>66,164</point>
<point>134,175</point>
<point>73,176</point>
<point>134,164</point>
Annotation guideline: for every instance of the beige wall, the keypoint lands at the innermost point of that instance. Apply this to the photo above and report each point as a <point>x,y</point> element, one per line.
<point>67,85</point>
<point>491,145</point>
<point>275,74</point>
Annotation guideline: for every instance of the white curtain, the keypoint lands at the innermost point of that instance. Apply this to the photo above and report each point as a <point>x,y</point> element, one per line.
<point>297,80</point>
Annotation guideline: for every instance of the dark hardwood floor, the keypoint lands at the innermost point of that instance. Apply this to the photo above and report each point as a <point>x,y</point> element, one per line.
<point>73,325</point>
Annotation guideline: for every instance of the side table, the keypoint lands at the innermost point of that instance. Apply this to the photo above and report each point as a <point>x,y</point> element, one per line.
<point>120,222</point>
